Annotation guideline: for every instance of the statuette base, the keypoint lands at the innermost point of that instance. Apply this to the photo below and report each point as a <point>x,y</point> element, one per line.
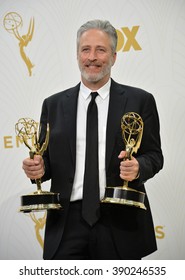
<point>39,201</point>
<point>125,196</point>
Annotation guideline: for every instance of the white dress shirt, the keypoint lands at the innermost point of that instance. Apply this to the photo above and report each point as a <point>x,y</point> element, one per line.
<point>102,101</point>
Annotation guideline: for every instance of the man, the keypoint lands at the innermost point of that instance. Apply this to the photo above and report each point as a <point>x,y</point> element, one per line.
<point>118,231</point>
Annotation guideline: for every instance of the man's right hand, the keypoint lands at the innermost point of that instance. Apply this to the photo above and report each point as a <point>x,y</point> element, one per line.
<point>34,168</point>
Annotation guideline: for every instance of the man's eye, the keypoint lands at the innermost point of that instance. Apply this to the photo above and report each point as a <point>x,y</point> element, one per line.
<point>85,50</point>
<point>101,50</point>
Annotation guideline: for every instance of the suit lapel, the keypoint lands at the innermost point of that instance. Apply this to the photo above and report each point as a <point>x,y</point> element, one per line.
<point>117,105</point>
<point>70,113</point>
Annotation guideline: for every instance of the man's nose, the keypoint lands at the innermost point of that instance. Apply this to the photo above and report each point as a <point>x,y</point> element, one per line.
<point>92,55</point>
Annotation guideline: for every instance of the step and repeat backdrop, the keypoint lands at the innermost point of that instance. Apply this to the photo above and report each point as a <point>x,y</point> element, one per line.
<point>38,58</point>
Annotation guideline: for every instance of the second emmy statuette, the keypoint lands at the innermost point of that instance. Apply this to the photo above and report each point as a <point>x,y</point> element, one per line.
<point>28,131</point>
<point>132,131</point>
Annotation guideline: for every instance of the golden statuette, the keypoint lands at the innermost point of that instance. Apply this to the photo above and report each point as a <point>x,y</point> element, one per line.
<point>132,131</point>
<point>28,131</point>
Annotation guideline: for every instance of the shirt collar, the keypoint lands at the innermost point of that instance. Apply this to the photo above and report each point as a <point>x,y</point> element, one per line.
<point>103,91</point>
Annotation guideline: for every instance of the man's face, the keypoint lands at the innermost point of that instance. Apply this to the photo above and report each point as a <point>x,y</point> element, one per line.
<point>95,57</point>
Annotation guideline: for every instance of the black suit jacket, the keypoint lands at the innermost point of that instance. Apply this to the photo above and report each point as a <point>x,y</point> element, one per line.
<point>132,228</point>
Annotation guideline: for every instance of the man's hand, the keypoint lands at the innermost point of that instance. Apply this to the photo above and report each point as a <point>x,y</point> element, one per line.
<point>34,168</point>
<point>129,169</point>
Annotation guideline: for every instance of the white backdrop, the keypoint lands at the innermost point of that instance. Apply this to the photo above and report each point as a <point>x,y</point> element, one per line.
<point>154,61</point>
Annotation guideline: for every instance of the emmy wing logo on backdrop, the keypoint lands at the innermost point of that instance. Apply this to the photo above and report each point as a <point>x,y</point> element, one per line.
<point>39,226</point>
<point>12,22</point>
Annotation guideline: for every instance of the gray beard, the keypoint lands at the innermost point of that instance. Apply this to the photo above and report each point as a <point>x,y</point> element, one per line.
<point>94,78</point>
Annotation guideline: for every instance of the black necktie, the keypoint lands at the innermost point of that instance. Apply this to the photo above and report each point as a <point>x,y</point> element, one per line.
<point>91,201</point>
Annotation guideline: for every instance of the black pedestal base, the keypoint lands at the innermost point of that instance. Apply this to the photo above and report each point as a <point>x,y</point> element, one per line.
<point>125,196</point>
<point>39,201</point>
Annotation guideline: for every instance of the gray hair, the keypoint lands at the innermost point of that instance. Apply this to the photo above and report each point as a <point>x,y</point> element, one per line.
<point>104,26</point>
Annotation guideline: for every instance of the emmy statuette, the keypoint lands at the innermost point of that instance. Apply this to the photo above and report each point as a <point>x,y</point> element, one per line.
<point>28,131</point>
<point>132,131</point>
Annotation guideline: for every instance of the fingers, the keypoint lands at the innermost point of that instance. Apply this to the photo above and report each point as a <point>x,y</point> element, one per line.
<point>122,154</point>
<point>33,168</point>
<point>129,169</point>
